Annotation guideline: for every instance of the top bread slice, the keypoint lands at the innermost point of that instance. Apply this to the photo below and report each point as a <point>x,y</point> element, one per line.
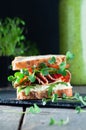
<point>21,62</point>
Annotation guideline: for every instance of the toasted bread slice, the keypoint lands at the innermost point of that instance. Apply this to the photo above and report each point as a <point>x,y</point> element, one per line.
<point>25,62</point>
<point>42,92</point>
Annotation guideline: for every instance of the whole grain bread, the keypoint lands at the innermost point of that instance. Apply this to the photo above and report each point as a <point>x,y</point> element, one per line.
<point>21,62</point>
<point>40,94</point>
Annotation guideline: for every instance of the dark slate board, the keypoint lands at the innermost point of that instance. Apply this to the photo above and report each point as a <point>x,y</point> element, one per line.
<point>28,103</point>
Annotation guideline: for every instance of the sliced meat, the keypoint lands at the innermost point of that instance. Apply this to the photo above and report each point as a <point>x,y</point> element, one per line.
<point>41,79</point>
<point>50,78</point>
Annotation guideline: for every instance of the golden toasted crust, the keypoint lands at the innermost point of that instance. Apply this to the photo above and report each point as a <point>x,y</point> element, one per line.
<point>25,62</point>
<point>43,94</point>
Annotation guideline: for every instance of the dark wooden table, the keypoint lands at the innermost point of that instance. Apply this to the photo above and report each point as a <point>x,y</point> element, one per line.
<point>12,118</point>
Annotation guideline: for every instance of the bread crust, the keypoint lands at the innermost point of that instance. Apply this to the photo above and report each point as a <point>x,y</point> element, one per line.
<point>44,94</point>
<point>26,62</point>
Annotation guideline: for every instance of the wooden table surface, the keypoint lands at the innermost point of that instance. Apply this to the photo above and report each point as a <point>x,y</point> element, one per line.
<point>12,118</point>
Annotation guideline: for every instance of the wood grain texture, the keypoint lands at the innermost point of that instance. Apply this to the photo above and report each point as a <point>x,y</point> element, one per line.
<point>9,117</point>
<point>41,121</point>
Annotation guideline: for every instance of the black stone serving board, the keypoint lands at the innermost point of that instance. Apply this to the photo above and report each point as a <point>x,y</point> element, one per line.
<point>8,97</point>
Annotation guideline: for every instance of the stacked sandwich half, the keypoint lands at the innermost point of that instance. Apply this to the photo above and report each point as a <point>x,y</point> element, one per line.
<point>38,77</point>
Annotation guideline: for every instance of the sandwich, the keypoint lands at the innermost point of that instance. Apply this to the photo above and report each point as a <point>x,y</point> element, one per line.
<point>38,77</point>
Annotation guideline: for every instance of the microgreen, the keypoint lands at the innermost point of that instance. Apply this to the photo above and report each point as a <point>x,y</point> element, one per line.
<point>42,65</point>
<point>62,69</point>
<point>11,43</point>
<point>62,65</point>
<point>52,121</point>
<point>80,98</point>
<point>25,72</point>
<point>52,60</point>
<point>61,122</point>
<point>78,109</point>
<point>76,95</point>
<point>34,109</point>
<point>44,101</point>
<point>50,89</point>
<point>45,71</point>
<point>85,98</point>
<point>27,90</point>
<point>69,55</point>
<point>54,98</point>
<point>32,78</point>
<point>18,74</point>
<point>64,96</point>
<point>11,78</point>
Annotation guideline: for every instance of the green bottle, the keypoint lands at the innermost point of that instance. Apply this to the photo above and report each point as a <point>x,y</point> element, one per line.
<point>72,34</point>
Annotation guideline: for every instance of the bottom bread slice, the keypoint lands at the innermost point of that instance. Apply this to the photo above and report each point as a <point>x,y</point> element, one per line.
<point>42,92</point>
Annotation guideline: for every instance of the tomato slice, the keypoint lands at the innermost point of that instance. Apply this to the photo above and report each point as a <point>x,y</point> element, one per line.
<point>56,76</point>
<point>63,78</point>
<point>67,77</point>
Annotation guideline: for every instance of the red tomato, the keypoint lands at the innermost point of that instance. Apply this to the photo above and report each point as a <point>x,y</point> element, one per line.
<point>63,78</point>
<point>56,76</point>
<point>67,77</point>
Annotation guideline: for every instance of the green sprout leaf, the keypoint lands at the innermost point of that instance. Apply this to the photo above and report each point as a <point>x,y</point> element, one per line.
<point>25,72</point>
<point>80,98</point>
<point>45,71</point>
<point>27,90</point>
<point>62,69</point>
<point>11,78</point>
<point>32,78</point>
<point>34,109</point>
<point>44,101</point>
<point>78,109</point>
<point>61,122</point>
<point>52,121</point>
<point>50,89</point>
<point>84,98</point>
<point>76,95</point>
<point>42,65</point>
<point>62,65</point>
<point>69,55</point>
<point>64,96</point>
<point>52,60</point>
<point>54,98</point>
<point>19,75</point>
